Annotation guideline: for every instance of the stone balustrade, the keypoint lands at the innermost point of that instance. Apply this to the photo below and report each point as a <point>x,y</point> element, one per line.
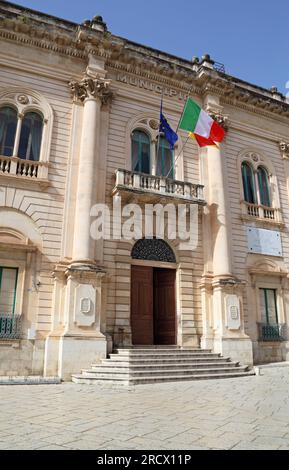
<point>261,212</point>
<point>15,166</point>
<point>159,185</point>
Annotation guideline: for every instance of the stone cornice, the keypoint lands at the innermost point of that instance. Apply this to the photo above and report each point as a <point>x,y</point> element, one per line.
<point>62,37</point>
<point>38,36</point>
<point>236,94</point>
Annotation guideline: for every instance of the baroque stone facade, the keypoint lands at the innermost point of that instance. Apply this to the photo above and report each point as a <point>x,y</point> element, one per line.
<point>86,93</point>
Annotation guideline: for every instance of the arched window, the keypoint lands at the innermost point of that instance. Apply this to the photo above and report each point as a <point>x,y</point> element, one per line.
<point>30,137</point>
<point>248,183</point>
<point>165,159</point>
<point>8,124</point>
<point>140,146</point>
<point>264,191</point>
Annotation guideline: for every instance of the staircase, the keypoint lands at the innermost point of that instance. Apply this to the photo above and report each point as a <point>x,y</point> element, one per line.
<point>143,365</point>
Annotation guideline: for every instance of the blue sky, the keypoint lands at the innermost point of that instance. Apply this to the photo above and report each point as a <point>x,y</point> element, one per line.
<point>251,37</point>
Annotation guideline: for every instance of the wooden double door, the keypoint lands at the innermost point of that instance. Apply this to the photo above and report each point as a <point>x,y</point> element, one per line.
<point>153,306</point>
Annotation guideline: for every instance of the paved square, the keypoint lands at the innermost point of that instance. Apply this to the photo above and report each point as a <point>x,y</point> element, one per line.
<point>242,413</point>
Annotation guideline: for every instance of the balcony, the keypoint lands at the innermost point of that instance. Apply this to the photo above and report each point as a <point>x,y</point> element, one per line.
<point>155,188</point>
<point>261,213</point>
<point>10,326</point>
<point>274,332</point>
<point>19,169</point>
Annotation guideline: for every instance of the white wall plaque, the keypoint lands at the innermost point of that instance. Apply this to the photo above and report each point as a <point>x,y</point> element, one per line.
<point>233,312</point>
<point>264,242</point>
<point>84,305</point>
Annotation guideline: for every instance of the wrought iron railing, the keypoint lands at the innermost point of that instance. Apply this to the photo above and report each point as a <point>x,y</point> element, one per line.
<point>10,326</point>
<point>219,67</point>
<point>272,332</point>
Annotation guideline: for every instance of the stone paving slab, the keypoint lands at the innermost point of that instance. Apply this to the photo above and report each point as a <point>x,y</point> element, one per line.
<point>239,413</point>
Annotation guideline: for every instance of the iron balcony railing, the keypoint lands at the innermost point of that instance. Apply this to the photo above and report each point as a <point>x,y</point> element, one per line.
<point>10,326</point>
<point>219,67</point>
<point>272,332</point>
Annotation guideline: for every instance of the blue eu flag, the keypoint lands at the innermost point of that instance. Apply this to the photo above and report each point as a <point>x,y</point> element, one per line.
<point>170,135</point>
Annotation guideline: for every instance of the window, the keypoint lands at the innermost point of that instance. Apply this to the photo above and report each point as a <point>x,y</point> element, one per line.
<point>30,137</point>
<point>248,183</point>
<point>8,285</point>
<point>263,181</point>
<point>260,197</point>
<point>8,124</point>
<point>252,179</point>
<point>268,302</point>
<point>23,142</point>
<point>165,159</point>
<point>140,152</point>
<point>269,328</point>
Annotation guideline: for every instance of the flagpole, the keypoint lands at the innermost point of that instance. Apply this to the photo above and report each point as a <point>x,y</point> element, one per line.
<point>176,159</point>
<point>187,96</point>
<point>158,144</point>
<point>178,156</point>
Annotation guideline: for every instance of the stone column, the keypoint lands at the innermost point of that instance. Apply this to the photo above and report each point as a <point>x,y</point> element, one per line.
<point>92,92</point>
<point>222,293</point>
<point>77,338</point>
<point>220,219</point>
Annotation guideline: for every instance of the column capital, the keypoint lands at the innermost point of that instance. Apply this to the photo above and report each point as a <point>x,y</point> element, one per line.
<point>91,88</point>
<point>220,118</point>
<point>284,147</point>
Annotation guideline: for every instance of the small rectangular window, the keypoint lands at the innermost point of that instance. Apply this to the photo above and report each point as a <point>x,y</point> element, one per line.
<point>8,286</point>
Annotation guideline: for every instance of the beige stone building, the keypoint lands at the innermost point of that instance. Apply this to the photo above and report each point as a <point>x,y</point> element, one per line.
<point>79,113</point>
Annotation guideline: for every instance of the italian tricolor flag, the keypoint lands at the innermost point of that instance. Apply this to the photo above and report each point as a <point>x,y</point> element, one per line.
<point>200,125</point>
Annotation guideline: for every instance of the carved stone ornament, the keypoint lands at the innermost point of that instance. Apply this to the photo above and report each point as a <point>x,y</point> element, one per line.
<point>284,147</point>
<point>254,157</point>
<point>23,99</point>
<point>223,121</point>
<point>92,88</point>
<point>154,124</point>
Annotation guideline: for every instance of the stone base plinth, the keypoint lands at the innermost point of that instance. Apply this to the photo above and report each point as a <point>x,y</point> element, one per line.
<point>67,355</point>
<point>238,349</point>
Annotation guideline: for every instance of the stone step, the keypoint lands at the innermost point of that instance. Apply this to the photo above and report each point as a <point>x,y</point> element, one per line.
<point>160,351</point>
<point>160,364</point>
<point>164,360</point>
<point>154,346</point>
<point>93,379</point>
<point>129,373</point>
<point>156,355</point>
<point>151,366</point>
